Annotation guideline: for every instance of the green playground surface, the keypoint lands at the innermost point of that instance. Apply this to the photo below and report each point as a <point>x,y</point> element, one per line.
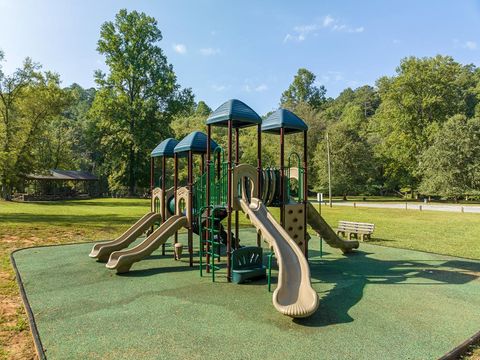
<point>378,303</point>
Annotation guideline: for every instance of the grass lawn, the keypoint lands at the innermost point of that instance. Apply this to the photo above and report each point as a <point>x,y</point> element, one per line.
<point>28,224</point>
<point>439,232</point>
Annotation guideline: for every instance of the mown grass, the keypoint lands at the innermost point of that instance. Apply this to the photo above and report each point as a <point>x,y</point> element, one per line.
<point>444,233</point>
<point>29,224</point>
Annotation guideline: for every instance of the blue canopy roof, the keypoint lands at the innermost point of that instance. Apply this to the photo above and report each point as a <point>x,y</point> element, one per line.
<point>282,118</point>
<point>195,142</point>
<point>241,115</point>
<point>165,148</point>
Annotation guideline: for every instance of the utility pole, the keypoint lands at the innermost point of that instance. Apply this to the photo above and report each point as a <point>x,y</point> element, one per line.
<point>329,173</point>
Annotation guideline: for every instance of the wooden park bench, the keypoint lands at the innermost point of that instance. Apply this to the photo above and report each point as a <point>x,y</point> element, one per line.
<point>351,229</point>
<point>247,263</point>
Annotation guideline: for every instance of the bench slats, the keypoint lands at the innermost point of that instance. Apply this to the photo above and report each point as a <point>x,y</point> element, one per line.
<point>353,228</point>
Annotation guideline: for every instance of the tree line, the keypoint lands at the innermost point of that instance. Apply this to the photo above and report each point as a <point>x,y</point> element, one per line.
<point>417,131</point>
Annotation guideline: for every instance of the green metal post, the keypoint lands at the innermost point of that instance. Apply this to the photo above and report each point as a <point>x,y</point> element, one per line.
<point>201,241</point>
<point>269,278</point>
<point>207,194</point>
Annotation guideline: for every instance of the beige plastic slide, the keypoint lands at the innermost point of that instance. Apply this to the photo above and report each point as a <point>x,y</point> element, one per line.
<point>294,295</point>
<point>102,251</point>
<point>320,226</point>
<point>123,260</point>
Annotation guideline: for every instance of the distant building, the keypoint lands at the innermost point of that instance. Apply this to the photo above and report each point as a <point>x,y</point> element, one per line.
<point>59,185</point>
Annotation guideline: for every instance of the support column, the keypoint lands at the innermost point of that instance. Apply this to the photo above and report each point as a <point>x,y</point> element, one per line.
<point>229,202</point>
<point>219,192</point>
<point>190,209</point>
<point>164,205</point>
<point>282,176</point>
<point>305,191</point>
<point>175,186</point>
<point>152,169</point>
<point>207,194</point>
<point>259,172</point>
<point>237,161</point>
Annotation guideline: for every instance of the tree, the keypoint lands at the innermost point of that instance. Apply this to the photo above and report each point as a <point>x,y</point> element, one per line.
<point>305,99</point>
<point>303,90</point>
<point>137,99</point>
<point>85,141</point>
<point>451,166</point>
<point>414,104</point>
<point>64,144</point>
<point>352,162</point>
<point>364,98</point>
<point>29,101</point>
<point>203,109</point>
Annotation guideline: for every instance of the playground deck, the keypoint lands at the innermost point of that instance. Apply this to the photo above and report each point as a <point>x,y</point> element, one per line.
<point>379,303</point>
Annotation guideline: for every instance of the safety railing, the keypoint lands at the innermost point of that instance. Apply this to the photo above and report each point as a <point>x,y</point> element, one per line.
<point>300,186</point>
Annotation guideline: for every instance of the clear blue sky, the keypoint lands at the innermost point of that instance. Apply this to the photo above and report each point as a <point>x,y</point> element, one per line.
<point>248,49</point>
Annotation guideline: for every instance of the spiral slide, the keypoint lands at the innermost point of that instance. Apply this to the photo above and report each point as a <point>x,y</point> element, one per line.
<point>294,295</point>
<point>102,251</point>
<point>123,260</point>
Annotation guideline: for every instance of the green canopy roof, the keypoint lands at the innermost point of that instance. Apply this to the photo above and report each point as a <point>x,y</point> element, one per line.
<point>282,118</point>
<point>241,115</point>
<point>57,174</point>
<point>165,148</point>
<point>195,142</point>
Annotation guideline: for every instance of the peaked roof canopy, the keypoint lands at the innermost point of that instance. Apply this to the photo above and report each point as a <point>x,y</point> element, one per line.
<point>165,148</point>
<point>241,115</point>
<point>282,118</point>
<point>56,174</point>
<point>196,142</point>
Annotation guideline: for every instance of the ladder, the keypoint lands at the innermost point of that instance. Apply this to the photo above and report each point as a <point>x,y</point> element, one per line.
<point>210,243</point>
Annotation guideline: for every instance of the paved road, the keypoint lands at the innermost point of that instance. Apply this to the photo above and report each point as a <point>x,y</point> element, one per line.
<point>409,206</point>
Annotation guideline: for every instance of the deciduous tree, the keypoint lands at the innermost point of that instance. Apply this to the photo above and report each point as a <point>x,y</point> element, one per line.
<point>137,99</point>
<point>451,166</point>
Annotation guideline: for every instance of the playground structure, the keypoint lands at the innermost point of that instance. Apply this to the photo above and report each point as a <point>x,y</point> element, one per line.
<point>222,188</point>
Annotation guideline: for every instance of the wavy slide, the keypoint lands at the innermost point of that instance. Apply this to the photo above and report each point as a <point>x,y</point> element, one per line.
<point>320,226</point>
<point>294,295</point>
<point>102,251</point>
<point>123,260</point>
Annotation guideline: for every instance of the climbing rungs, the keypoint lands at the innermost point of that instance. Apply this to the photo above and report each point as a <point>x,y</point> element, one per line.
<point>212,266</point>
<point>215,231</point>
<point>213,242</point>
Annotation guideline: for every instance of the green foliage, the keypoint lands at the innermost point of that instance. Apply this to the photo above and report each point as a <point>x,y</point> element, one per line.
<point>184,124</point>
<point>414,103</point>
<point>203,109</point>
<point>352,162</point>
<point>137,99</point>
<point>451,166</point>
<point>31,102</point>
<point>415,131</point>
<point>303,90</point>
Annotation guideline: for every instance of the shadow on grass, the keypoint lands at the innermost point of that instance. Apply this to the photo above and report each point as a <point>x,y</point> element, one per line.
<point>99,203</point>
<point>377,240</point>
<point>68,219</point>
<point>349,276</point>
